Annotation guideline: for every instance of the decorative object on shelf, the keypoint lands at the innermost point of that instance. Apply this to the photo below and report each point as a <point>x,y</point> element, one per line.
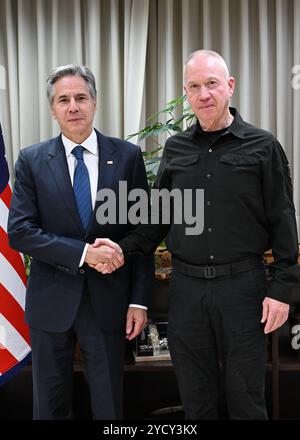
<point>152,343</point>
<point>163,263</point>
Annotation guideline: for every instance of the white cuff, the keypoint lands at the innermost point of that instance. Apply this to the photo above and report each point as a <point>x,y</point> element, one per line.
<point>83,255</point>
<point>138,306</point>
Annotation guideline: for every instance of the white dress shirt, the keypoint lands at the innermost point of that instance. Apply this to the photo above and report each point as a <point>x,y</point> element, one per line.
<point>91,160</point>
<point>90,157</point>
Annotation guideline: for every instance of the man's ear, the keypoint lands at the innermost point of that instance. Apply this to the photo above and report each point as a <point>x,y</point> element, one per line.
<point>231,84</point>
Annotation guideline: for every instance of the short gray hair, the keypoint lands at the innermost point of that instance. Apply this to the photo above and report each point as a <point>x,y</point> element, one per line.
<point>71,70</point>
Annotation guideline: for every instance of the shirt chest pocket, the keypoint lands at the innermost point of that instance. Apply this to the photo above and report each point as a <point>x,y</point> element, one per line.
<point>183,171</point>
<point>239,171</point>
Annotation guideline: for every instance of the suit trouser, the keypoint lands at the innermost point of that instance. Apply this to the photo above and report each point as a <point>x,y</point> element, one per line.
<point>217,343</point>
<point>52,367</point>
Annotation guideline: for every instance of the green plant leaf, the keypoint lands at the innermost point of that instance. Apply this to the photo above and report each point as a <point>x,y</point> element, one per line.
<point>152,131</point>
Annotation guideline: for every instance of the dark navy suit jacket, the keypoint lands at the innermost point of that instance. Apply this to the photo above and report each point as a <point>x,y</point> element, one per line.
<point>44,223</point>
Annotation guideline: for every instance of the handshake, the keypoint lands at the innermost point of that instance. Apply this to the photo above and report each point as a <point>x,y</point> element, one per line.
<point>104,255</point>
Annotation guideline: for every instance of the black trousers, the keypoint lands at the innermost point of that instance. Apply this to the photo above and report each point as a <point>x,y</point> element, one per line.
<point>217,342</point>
<point>52,367</point>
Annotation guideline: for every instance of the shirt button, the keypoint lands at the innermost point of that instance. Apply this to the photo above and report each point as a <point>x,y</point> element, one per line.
<point>209,229</point>
<point>208,176</point>
<point>210,150</point>
<point>212,257</point>
<point>81,271</point>
<point>208,202</point>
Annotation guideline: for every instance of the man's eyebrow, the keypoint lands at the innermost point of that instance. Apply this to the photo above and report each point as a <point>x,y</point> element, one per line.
<point>61,96</point>
<point>195,81</point>
<point>78,95</point>
<point>212,77</point>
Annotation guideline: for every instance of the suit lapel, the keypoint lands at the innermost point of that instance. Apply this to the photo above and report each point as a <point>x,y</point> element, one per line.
<point>108,163</point>
<point>59,168</point>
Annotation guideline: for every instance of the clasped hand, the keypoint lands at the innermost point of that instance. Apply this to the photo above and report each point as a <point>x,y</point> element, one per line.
<point>104,255</point>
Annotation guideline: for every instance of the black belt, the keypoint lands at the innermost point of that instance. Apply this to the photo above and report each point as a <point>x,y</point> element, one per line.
<point>219,270</point>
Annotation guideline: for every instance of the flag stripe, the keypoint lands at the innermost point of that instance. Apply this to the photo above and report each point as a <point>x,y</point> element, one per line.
<point>13,341</point>
<point>6,196</point>
<point>12,311</point>
<point>3,215</point>
<point>6,360</point>
<point>12,256</point>
<point>12,282</point>
<point>14,370</point>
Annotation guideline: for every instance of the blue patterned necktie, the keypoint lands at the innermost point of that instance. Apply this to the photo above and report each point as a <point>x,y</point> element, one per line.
<point>82,187</point>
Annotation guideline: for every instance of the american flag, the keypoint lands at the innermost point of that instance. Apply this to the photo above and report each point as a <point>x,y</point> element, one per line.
<point>14,333</point>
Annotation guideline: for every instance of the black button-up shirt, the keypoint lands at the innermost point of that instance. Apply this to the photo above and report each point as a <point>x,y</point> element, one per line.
<point>248,204</point>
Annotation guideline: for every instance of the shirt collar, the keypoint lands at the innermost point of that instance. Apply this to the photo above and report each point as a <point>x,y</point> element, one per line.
<point>90,144</point>
<point>237,127</point>
<point>238,124</point>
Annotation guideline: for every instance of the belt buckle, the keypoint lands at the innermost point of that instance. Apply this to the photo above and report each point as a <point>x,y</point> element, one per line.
<point>210,272</point>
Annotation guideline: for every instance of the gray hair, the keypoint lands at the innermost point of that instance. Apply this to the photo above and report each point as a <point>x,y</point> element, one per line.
<point>71,70</point>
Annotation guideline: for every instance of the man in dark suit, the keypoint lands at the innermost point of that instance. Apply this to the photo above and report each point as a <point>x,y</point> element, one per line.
<point>53,219</point>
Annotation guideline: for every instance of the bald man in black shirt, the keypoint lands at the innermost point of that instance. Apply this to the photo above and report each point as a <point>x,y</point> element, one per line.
<point>221,307</point>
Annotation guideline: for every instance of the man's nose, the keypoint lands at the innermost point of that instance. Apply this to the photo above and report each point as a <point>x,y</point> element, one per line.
<point>73,106</point>
<point>204,94</point>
